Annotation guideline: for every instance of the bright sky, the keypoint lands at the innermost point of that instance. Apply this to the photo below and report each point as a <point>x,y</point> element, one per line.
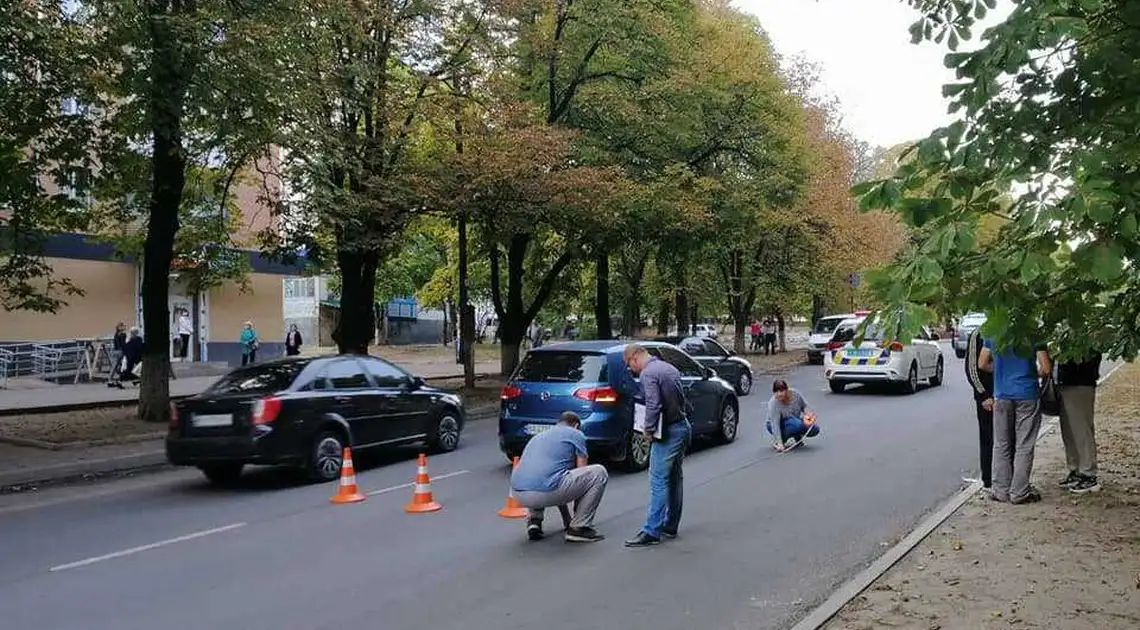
<point>890,89</point>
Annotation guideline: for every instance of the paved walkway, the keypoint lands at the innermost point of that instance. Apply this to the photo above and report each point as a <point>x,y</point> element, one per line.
<point>72,396</point>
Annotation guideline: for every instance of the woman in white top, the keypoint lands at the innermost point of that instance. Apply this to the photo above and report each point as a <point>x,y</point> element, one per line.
<point>185,331</point>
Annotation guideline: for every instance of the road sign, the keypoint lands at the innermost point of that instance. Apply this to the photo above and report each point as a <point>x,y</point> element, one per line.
<point>853,279</point>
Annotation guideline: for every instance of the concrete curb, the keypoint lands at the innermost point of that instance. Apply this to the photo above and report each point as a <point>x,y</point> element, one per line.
<point>106,404</point>
<point>856,585</point>
<point>125,463</point>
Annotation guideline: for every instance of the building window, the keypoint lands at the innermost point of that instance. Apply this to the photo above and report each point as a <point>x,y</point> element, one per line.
<point>300,288</point>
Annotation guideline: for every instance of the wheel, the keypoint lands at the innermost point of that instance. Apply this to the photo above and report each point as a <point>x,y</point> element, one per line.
<point>744,384</point>
<point>911,385</point>
<point>961,354</point>
<point>222,474</point>
<point>327,456</point>
<point>837,387</point>
<point>636,452</point>
<point>445,434</point>
<point>729,424</point>
<point>936,380</point>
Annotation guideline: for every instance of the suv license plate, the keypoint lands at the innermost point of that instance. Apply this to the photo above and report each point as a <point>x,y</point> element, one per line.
<point>535,429</point>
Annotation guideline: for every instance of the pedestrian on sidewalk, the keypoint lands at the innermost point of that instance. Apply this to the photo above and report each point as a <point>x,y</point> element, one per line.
<point>982,381</point>
<point>1076,382</point>
<point>554,471</point>
<point>118,345</point>
<point>293,341</point>
<point>249,344</point>
<point>1017,418</point>
<point>756,330</point>
<point>185,331</point>
<point>665,404</point>
<point>132,356</point>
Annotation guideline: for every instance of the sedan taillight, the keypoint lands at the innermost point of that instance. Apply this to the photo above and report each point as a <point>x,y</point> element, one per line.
<point>265,410</point>
<point>896,347</point>
<point>173,415</point>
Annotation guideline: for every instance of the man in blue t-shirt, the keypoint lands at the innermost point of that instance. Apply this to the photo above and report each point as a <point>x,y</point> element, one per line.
<point>1017,418</point>
<point>554,471</point>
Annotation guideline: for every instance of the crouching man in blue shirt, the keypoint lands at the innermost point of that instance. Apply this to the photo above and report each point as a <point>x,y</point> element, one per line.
<point>553,471</point>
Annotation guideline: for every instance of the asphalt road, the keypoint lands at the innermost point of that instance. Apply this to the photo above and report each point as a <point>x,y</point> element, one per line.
<point>764,536</point>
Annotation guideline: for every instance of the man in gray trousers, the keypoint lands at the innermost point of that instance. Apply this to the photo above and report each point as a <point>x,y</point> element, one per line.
<point>1017,419</point>
<point>554,471</point>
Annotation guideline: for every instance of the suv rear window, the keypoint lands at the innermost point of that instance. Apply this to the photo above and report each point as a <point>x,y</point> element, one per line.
<point>267,378</point>
<point>562,367</point>
<point>827,324</point>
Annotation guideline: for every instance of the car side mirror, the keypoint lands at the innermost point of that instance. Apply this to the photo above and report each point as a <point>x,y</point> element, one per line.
<point>709,373</point>
<point>416,382</point>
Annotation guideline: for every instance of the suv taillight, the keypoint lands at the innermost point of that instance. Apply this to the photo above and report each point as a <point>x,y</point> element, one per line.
<point>604,395</point>
<point>510,392</point>
<point>832,347</point>
<point>173,415</point>
<point>265,410</point>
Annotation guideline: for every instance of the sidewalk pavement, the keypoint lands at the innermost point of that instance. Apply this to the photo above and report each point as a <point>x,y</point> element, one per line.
<point>71,397</point>
<point>1070,562</point>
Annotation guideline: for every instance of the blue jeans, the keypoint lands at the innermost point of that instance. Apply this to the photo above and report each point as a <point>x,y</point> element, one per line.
<point>665,479</point>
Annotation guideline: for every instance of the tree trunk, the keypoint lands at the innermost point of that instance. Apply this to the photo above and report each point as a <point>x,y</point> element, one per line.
<point>467,312</point>
<point>782,332</point>
<point>816,309</point>
<point>740,333</point>
<point>663,316</point>
<point>169,77</point>
<point>356,327</point>
<point>602,297</point>
<point>693,312</point>
<point>681,310</point>
<point>514,315</point>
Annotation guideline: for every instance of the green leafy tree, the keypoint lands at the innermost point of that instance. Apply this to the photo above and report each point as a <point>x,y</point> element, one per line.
<point>1046,113</point>
<point>45,160</point>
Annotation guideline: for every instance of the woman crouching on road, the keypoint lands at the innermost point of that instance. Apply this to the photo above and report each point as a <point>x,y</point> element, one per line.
<point>789,419</point>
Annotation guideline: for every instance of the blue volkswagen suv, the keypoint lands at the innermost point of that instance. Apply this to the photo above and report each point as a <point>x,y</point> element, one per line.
<point>590,379</point>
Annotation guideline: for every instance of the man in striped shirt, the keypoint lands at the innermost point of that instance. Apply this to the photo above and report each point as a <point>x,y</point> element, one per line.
<point>982,382</point>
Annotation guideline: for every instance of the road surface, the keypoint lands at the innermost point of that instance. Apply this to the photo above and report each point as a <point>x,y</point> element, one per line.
<point>764,536</point>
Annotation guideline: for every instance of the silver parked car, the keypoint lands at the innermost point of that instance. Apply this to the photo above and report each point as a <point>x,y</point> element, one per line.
<point>969,323</point>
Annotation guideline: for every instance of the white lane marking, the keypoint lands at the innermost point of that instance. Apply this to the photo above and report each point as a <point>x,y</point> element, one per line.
<point>142,548</point>
<point>411,484</point>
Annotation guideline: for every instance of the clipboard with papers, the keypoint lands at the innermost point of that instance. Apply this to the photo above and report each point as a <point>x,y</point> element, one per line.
<point>639,421</point>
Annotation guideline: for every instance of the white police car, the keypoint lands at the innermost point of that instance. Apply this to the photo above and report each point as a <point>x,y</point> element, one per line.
<point>875,361</point>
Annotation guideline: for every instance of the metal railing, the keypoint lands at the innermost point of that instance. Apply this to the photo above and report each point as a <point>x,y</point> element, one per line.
<point>71,359</point>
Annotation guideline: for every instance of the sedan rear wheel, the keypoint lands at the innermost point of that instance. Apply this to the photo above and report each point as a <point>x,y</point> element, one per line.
<point>637,452</point>
<point>327,457</point>
<point>936,380</point>
<point>911,385</point>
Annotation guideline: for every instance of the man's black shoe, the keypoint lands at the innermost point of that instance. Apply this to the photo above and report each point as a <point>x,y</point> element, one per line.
<point>669,534</point>
<point>1071,480</point>
<point>534,530</point>
<point>583,535</point>
<point>642,540</point>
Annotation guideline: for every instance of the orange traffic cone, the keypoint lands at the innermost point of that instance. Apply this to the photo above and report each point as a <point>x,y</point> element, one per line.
<point>513,509</point>
<point>346,491</point>
<point>422,499</point>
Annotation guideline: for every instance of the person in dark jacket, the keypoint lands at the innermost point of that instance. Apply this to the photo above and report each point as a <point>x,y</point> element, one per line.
<point>982,382</point>
<point>1076,383</point>
<point>293,341</point>
<point>133,353</point>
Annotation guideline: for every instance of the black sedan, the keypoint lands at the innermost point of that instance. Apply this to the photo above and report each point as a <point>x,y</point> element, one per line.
<point>710,353</point>
<point>302,412</point>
